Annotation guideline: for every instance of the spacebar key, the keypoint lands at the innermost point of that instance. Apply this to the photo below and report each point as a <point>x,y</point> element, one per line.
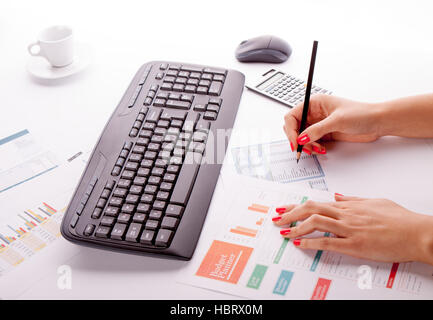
<point>186,179</point>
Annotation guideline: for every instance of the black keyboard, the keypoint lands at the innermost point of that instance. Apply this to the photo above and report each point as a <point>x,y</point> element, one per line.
<point>151,176</point>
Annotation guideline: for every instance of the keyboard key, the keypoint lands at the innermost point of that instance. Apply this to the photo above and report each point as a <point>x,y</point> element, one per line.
<point>163,195</point>
<point>111,211</point>
<point>128,208</point>
<point>120,192</point>
<point>199,107</point>
<point>139,218</point>
<point>151,189</point>
<point>215,88</point>
<point>177,87</point>
<point>149,126</point>
<point>101,203</point>
<point>155,214</point>
<point>143,208</point>
<point>178,104</point>
<point>203,126</point>
<point>105,194</point>
<point>159,205</point>
<point>153,116</point>
<point>166,186</point>
<point>132,199</point>
<point>169,177</point>
<point>136,190</point>
<point>206,76</point>
<point>124,183</point>
<point>110,185</point>
<point>131,166</point>
<point>116,171</point>
<point>213,107</point>
<point>174,211</point>
<point>107,221</point>
<point>118,231</point>
<point>186,179</point>
<point>146,198</point>
<point>163,238</point>
<point>209,115</point>
<point>217,101</point>
<point>123,218</point>
<point>140,181</point>
<point>143,172</point>
<point>151,155</point>
<point>115,202</point>
<point>74,220</point>
<point>202,90</point>
<point>215,71</point>
<point>96,214</point>
<point>133,232</point>
<point>147,163</point>
<point>173,168</point>
<point>102,232</point>
<point>154,180</point>
<point>199,136</point>
<point>138,149</point>
<point>159,172</point>
<point>152,224</point>
<point>147,237</point>
<point>169,223</point>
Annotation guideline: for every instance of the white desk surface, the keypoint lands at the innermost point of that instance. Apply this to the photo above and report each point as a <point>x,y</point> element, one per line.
<point>371,51</point>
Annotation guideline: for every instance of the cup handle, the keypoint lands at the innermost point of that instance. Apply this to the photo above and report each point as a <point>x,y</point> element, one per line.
<point>29,48</point>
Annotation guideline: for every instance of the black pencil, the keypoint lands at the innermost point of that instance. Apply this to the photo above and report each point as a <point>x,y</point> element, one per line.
<point>307,97</point>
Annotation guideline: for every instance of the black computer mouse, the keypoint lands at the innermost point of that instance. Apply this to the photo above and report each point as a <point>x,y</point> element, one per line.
<point>263,49</point>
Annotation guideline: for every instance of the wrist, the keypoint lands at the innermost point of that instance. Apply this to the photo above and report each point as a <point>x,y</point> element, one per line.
<point>381,118</point>
<point>424,241</point>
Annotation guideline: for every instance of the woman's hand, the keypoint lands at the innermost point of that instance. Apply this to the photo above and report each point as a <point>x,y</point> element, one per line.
<point>332,118</point>
<point>375,229</point>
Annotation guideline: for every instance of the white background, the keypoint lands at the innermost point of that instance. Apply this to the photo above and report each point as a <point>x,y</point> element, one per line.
<point>368,50</point>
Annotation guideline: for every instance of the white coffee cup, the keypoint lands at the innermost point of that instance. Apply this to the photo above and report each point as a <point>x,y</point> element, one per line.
<point>56,44</point>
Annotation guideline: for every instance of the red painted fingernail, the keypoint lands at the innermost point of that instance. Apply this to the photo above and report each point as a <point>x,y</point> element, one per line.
<point>276,218</point>
<point>322,151</point>
<point>280,210</point>
<point>316,149</point>
<point>297,242</point>
<point>291,146</point>
<point>339,194</point>
<point>306,151</point>
<point>284,232</point>
<point>303,139</point>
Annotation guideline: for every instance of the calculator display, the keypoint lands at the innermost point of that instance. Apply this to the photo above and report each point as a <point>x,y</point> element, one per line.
<point>269,81</point>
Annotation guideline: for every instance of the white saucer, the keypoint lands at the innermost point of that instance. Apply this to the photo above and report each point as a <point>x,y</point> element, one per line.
<point>40,68</point>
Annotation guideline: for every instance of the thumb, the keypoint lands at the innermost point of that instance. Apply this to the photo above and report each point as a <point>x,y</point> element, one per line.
<point>317,130</point>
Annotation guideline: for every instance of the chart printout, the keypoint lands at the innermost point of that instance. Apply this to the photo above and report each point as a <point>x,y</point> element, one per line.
<point>248,257</point>
<point>275,161</point>
<point>31,215</point>
<point>22,159</point>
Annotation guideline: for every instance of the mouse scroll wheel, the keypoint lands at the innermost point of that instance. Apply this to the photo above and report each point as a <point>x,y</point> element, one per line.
<point>243,42</point>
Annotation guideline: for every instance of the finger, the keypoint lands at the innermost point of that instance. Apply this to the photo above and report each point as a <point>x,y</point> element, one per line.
<point>318,148</point>
<point>318,130</point>
<point>307,209</point>
<point>325,243</point>
<point>291,124</point>
<point>286,208</point>
<point>307,150</point>
<point>315,223</point>
<point>292,140</point>
<point>340,197</point>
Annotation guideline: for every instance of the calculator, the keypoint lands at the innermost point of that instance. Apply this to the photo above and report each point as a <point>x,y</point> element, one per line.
<point>283,87</point>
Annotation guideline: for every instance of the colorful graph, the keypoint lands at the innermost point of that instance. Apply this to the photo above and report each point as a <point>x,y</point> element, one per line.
<point>31,219</point>
<point>258,208</point>
<point>244,231</point>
